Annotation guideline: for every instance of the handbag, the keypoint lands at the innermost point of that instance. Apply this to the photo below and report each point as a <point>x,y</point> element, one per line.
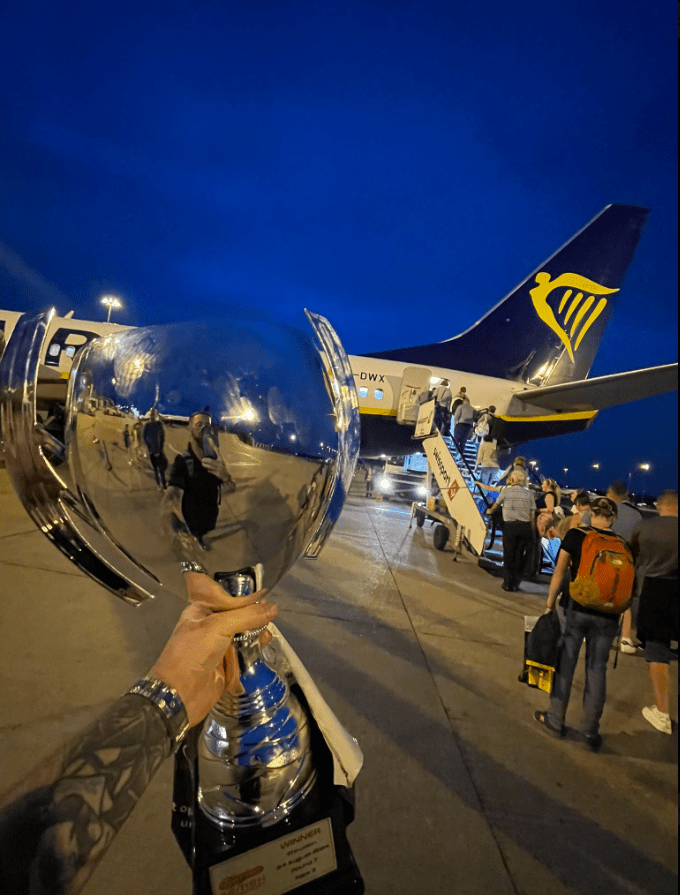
<point>542,641</point>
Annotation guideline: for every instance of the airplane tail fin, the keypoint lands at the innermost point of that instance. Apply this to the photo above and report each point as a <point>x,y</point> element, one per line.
<point>547,330</point>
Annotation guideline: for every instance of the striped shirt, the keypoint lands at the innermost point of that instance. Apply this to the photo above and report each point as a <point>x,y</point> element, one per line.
<point>518,503</point>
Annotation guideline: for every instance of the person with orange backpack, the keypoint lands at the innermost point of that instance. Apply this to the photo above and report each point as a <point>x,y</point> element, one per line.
<point>601,589</point>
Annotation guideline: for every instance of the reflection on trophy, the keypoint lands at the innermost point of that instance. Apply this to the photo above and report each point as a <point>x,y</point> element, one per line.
<point>224,448</point>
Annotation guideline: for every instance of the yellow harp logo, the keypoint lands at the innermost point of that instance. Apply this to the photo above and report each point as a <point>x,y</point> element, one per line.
<point>582,312</point>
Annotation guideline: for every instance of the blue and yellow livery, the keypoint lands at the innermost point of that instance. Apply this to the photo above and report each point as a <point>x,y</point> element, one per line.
<point>530,355</point>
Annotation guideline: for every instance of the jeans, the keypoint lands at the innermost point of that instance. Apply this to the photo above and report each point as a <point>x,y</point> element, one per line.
<point>486,473</point>
<point>598,632</point>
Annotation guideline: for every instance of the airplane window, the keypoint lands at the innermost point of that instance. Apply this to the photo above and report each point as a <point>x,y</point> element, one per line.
<point>378,394</point>
<point>70,351</point>
<point>64,338</point>
<point>363,392</point>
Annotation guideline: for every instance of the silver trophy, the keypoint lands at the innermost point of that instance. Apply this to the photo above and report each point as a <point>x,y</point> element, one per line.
<point>226,447</point>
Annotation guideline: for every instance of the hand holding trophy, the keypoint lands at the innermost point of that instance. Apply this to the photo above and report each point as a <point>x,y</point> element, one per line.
<point>209,458</point>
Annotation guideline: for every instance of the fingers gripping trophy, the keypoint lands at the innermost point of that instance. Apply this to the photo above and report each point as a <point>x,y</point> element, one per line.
<point>223,450</point>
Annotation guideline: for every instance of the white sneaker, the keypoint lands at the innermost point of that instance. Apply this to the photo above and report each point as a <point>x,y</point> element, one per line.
<point>627,646</point>
<point>657,719</point>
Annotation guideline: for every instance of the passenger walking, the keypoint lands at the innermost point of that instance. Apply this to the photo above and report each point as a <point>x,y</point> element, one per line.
<point>486,466</point>
<point>154,439</point>
<point>463,419</point>
<point>519,466</point>
<point>628,517</point>
<point>596,627</point>
<point>458,398</point>
<point>497,427</point>
<point>655,547</point>
<point>138,439</point>
<point>442,412</point>
<point>369,481</point>
<point>198,479</point>
<point>581,506</point>
<point>484,423</point>
<point>626,521</point>
<point>547,505</point>
<point>519,509</point>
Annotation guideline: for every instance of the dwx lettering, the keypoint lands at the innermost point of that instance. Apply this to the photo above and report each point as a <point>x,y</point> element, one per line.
<point>372,377</point>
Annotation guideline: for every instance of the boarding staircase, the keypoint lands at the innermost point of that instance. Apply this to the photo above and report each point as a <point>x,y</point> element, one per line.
<point>465,459</point>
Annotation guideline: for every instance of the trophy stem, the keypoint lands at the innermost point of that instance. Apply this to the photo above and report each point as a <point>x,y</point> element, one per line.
<point>254,757</point>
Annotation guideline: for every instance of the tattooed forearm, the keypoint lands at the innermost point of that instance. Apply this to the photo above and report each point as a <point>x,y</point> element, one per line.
<point>68,811</point>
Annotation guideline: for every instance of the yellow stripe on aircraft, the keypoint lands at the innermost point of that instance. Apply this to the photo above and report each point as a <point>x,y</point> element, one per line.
<point>378,411</point>
<point>579,415</point>
<point>550,417</point>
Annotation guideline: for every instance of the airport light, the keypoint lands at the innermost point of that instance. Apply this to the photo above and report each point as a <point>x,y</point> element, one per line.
<point>111,302</point>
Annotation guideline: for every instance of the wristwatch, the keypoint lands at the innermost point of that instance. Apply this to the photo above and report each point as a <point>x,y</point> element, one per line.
<point>168,702</point>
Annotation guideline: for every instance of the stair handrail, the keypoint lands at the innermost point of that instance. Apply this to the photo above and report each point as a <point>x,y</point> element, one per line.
<point>452,445</point>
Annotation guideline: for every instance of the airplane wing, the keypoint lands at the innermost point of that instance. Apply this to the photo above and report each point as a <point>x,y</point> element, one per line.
<point>604,391</point>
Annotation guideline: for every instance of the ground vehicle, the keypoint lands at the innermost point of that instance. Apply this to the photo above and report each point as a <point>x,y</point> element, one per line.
<point>396,482</point>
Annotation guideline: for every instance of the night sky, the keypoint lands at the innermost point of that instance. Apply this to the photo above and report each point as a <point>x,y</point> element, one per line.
<point>398,167</point>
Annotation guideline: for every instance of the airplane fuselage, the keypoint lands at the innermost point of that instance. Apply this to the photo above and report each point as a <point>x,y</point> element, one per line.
<point>378,381</point>
<point>379,384</point>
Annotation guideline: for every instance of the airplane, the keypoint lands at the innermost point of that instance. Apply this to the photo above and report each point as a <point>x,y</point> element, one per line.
<point>529,356</point>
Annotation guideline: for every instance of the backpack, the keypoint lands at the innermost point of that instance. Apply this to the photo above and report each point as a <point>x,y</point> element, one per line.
<point>606,573</point>
<point>482,427</point>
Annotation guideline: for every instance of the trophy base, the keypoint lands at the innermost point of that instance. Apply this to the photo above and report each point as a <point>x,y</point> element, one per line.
<point>307,852</point>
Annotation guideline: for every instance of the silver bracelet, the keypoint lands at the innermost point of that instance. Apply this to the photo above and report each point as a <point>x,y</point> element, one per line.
<point>193,567</point>
<point>168,702</point>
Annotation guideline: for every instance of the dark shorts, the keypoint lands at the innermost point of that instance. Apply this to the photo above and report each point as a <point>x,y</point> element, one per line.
<point>657,620</point>
<point>660,653</point>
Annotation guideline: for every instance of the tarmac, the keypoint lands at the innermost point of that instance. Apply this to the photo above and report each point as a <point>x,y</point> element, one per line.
<point>418,655</point>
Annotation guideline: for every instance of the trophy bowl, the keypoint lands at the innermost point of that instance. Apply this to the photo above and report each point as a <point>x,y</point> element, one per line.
<point>230,445</point>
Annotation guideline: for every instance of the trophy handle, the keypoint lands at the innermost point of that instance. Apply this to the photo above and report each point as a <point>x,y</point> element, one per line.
<point>44,486</point>
<point>345,399</point>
